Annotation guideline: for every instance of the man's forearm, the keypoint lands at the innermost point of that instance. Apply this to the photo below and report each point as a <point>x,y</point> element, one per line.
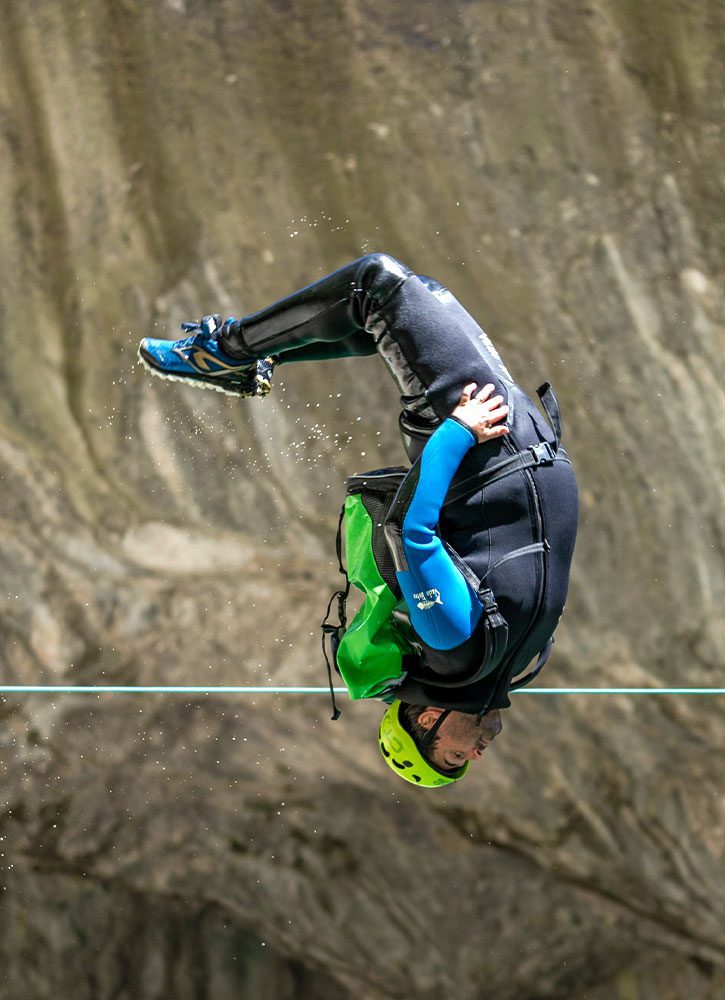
<point>438,464</point>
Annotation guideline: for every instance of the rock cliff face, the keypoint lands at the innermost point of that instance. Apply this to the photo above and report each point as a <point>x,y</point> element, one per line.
<point>559,166</point>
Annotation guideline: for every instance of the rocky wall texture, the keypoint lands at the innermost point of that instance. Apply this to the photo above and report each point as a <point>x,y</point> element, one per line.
<point>559,166</point>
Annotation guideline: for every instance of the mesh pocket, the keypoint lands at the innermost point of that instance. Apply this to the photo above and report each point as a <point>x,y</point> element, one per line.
<point>377,490</point>
<point>377,506</point>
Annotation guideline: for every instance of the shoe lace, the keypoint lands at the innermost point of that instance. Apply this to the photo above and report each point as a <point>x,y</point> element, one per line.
<point>200,331</point>
<point>198,335</point>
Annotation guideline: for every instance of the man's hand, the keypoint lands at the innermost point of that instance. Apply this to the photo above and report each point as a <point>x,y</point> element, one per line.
<point>482,414</point>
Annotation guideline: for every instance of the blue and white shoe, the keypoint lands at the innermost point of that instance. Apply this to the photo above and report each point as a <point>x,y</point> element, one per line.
<point>199,360</point>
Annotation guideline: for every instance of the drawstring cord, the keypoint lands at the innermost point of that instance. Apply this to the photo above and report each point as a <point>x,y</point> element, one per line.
<point>334,631</point>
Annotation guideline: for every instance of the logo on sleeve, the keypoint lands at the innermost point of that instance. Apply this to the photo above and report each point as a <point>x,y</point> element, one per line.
<point>426,599</point>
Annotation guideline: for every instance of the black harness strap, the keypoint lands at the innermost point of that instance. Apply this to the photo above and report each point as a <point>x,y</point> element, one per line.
<point>527,678</point>
<point>506,683</point>
<point>539,454</point>
<point>463,568</point>
<point>495,625</point>
<point>535,454</point>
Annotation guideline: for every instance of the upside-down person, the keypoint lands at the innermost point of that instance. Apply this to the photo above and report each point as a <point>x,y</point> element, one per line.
<point>464,556</point>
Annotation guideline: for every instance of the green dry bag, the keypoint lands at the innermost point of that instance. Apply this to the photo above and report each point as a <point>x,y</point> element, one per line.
<point>368,654</point>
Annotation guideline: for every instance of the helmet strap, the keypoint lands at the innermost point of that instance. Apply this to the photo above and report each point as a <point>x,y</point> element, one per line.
<point>430,735</point>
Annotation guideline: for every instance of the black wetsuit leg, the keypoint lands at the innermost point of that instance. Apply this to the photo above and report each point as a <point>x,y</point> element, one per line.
<point>358,345</point>
<point>330,310</point>
<point>430,343</point>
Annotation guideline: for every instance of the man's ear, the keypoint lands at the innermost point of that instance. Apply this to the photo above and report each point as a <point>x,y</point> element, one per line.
<point>429,716</point>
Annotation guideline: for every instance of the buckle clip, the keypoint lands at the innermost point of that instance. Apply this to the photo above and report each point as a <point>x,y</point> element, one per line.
<point>542,452</point>
<point>488,601</point>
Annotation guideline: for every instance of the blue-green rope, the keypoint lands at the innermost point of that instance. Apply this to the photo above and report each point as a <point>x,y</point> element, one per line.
<point>269,689</point>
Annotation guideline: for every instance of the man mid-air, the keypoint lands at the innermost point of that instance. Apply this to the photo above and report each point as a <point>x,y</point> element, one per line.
<point>464,557</point>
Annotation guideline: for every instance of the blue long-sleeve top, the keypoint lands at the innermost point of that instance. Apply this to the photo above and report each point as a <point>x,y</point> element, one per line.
<point>444,610</point>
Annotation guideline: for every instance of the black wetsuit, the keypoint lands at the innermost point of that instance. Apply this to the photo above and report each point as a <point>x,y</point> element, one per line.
<point>512,496</point>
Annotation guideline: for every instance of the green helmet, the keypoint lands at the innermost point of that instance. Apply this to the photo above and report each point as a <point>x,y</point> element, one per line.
<point>403,756</point>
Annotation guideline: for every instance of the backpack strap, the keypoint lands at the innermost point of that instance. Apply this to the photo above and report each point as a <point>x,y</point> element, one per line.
<point>535,454</point>
<point>336,631</point>
<point>496,632</point>
<point>527,678</point>
<point>551,408</point>
<point>495,625</point>
<point>538,454</point>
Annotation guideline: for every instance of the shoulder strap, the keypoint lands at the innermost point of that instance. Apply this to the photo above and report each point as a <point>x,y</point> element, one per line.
<point>496,632</point>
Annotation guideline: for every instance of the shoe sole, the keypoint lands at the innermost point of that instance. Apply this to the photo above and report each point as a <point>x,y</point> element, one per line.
<point>262,387</point>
